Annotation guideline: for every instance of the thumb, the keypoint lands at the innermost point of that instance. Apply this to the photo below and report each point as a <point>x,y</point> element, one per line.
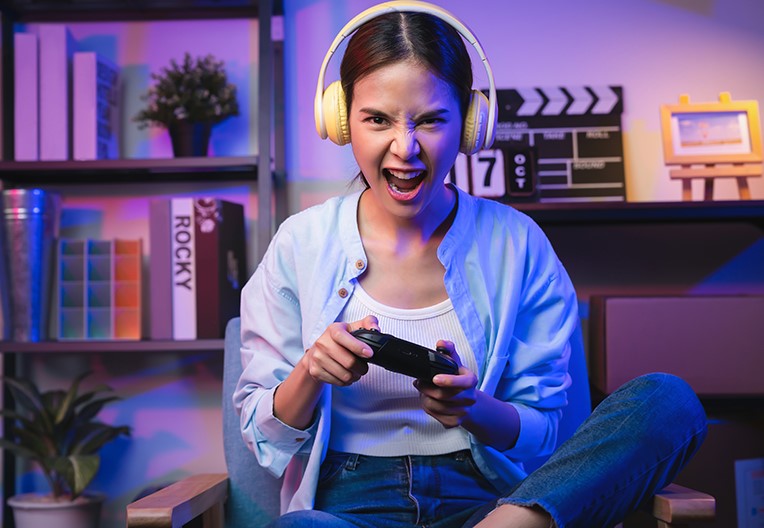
<point>369,322</point>
<point>448,348</point>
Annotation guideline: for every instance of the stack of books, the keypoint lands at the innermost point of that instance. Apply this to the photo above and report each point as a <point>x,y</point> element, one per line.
<point>197,266</point>
<point>66,101</point>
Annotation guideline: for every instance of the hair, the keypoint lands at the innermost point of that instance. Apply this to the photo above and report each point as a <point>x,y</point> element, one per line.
<point>401,36</point>
<point>396,37</point>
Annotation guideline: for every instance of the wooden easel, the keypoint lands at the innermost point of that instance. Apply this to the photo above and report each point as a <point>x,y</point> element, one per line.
<point>740,166</point>
<point>709,173</point>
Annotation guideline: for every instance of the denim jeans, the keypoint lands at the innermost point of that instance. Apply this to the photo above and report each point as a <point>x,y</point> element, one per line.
<point>633,444</point>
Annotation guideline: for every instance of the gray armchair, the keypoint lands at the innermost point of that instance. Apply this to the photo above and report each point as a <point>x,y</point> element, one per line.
<point>249,496</point>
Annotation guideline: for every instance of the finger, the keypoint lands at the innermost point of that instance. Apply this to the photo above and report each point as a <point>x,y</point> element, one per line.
<point>466,379</point>
<point>340,334</point>
<point>338,368</point>
<point>370,322</point>
<point>330,353</point>
<point>448,348</point>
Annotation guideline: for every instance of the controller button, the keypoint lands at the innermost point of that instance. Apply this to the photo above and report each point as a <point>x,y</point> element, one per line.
<point>342,292</point>
<point>360,264</point>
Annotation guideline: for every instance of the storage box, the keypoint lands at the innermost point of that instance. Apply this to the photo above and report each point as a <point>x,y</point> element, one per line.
<point>99,289</point>
<point>715,343</point>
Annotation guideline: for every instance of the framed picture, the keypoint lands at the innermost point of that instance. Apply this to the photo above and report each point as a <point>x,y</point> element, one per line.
<point>711,133</point>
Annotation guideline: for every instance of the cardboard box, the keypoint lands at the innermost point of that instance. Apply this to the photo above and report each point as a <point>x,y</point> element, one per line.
<point>715,343</point>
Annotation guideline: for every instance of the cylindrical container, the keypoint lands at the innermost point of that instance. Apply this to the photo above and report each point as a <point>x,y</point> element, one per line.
<point>31,223</point>
<point>6,323</point>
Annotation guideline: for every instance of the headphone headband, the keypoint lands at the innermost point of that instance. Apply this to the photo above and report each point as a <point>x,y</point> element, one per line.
<point>415,7</point>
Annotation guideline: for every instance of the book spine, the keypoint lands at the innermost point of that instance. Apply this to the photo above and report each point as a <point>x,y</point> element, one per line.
<point>56,50</point>
<point>95,102</point>
<point>160,270</point>
<point>233,257</point>
<point>183,269</point>
<point>26,99</point>
<point>207,224</point>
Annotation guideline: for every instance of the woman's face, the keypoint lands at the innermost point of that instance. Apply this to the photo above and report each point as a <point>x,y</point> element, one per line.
<point>405,130</point>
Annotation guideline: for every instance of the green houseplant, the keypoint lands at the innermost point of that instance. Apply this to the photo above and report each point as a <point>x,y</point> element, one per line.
<point>58,431</point>
<point>187,98</point>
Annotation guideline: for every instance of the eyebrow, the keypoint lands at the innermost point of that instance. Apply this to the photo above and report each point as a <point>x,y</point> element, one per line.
<point>427,115</point>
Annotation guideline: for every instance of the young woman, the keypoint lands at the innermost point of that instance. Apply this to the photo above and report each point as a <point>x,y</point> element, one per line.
<point>417,258</point>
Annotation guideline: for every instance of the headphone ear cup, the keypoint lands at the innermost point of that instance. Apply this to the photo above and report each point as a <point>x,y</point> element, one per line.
<point>335,114</point>
<point>475,123</point>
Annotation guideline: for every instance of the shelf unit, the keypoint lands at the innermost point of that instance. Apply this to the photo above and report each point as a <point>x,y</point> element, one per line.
<point>267,171</point>
<point>26,173</point>
<point>643,212</point>
<point>108,347</point>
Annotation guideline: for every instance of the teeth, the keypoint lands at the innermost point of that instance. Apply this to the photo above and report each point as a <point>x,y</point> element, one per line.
<point>404,175</point>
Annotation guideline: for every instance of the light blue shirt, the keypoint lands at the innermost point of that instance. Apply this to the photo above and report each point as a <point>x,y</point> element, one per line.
<point>512,296</point>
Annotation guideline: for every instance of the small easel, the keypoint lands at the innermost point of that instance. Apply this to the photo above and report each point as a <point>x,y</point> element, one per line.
<point>723,137</point>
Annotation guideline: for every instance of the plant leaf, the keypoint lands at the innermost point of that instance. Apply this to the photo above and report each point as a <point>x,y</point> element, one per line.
<point>78,471</point>
<point>17,449</point>
<point>67,403</point>
<point>91,409</point>
<point>26,396</point>
<point>96,437</point>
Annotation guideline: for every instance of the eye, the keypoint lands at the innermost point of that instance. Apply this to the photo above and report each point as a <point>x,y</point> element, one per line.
<point>376,120</point>
<point>432,121</point>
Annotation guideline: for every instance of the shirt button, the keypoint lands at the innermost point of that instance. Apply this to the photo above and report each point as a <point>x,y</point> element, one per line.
<point>342,293</point>
<point>360,264</point>
<point>299,439</point>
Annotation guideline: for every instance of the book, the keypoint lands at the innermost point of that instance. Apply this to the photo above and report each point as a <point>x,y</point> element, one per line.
<point>56,51</point>
<point>220,264</point>
<point>95,105</point>
<point>160,270</point>
<point>183,268</point>
<point>26,92</point>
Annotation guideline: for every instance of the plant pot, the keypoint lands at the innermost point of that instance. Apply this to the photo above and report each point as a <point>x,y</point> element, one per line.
<point>190,138</point>
<point>35,510</point>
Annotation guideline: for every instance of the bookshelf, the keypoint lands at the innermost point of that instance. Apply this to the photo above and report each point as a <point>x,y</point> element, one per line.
<point>26,173</point>
<point>266,173</point>
<point>113,346</point>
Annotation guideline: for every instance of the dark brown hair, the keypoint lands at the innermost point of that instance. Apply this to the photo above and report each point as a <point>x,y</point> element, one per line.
<point>395,37</point>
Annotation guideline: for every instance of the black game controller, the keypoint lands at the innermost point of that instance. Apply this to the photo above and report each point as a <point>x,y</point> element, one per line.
<point>405,357</point>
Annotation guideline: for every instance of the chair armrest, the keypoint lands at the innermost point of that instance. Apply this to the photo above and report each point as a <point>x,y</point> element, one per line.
<point>677,504</point>
<point>180,502</point>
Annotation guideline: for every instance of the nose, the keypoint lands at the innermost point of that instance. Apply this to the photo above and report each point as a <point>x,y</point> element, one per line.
<point>405,144</point>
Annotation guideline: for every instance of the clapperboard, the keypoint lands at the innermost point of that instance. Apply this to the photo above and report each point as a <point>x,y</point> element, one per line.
<point>552,145</point>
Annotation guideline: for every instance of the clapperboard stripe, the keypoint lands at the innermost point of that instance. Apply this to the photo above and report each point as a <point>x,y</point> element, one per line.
<point>558,101</point>
<point>582,100</point>
<point>530,102</point>
<point>606,99</point>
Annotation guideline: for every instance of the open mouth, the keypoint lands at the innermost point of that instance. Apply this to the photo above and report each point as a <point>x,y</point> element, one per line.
<point>403,183</point>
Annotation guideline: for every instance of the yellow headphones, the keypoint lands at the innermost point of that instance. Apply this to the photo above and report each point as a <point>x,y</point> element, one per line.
<point>329,105</point>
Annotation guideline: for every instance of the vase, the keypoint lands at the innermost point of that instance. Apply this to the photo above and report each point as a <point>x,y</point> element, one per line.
<point>32,510</point>
<point>190,138</point>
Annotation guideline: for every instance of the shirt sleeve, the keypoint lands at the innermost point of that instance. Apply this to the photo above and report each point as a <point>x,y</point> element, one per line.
<point>535,377</point>
<point>270,350</point>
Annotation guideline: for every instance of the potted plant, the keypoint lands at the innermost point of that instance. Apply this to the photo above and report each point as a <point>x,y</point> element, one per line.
<point>187,98</point>
<point>58,431</point>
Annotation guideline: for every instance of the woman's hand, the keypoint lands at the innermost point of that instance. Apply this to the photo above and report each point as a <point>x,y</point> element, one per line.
<point>337,357</point>
<point>449,398</point>
<point>455,401</point>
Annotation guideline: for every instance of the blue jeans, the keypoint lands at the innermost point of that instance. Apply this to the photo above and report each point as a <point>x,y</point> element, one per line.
<point>633,444</point>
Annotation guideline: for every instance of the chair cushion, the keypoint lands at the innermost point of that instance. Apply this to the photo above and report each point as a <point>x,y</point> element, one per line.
<point>253,492</point>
